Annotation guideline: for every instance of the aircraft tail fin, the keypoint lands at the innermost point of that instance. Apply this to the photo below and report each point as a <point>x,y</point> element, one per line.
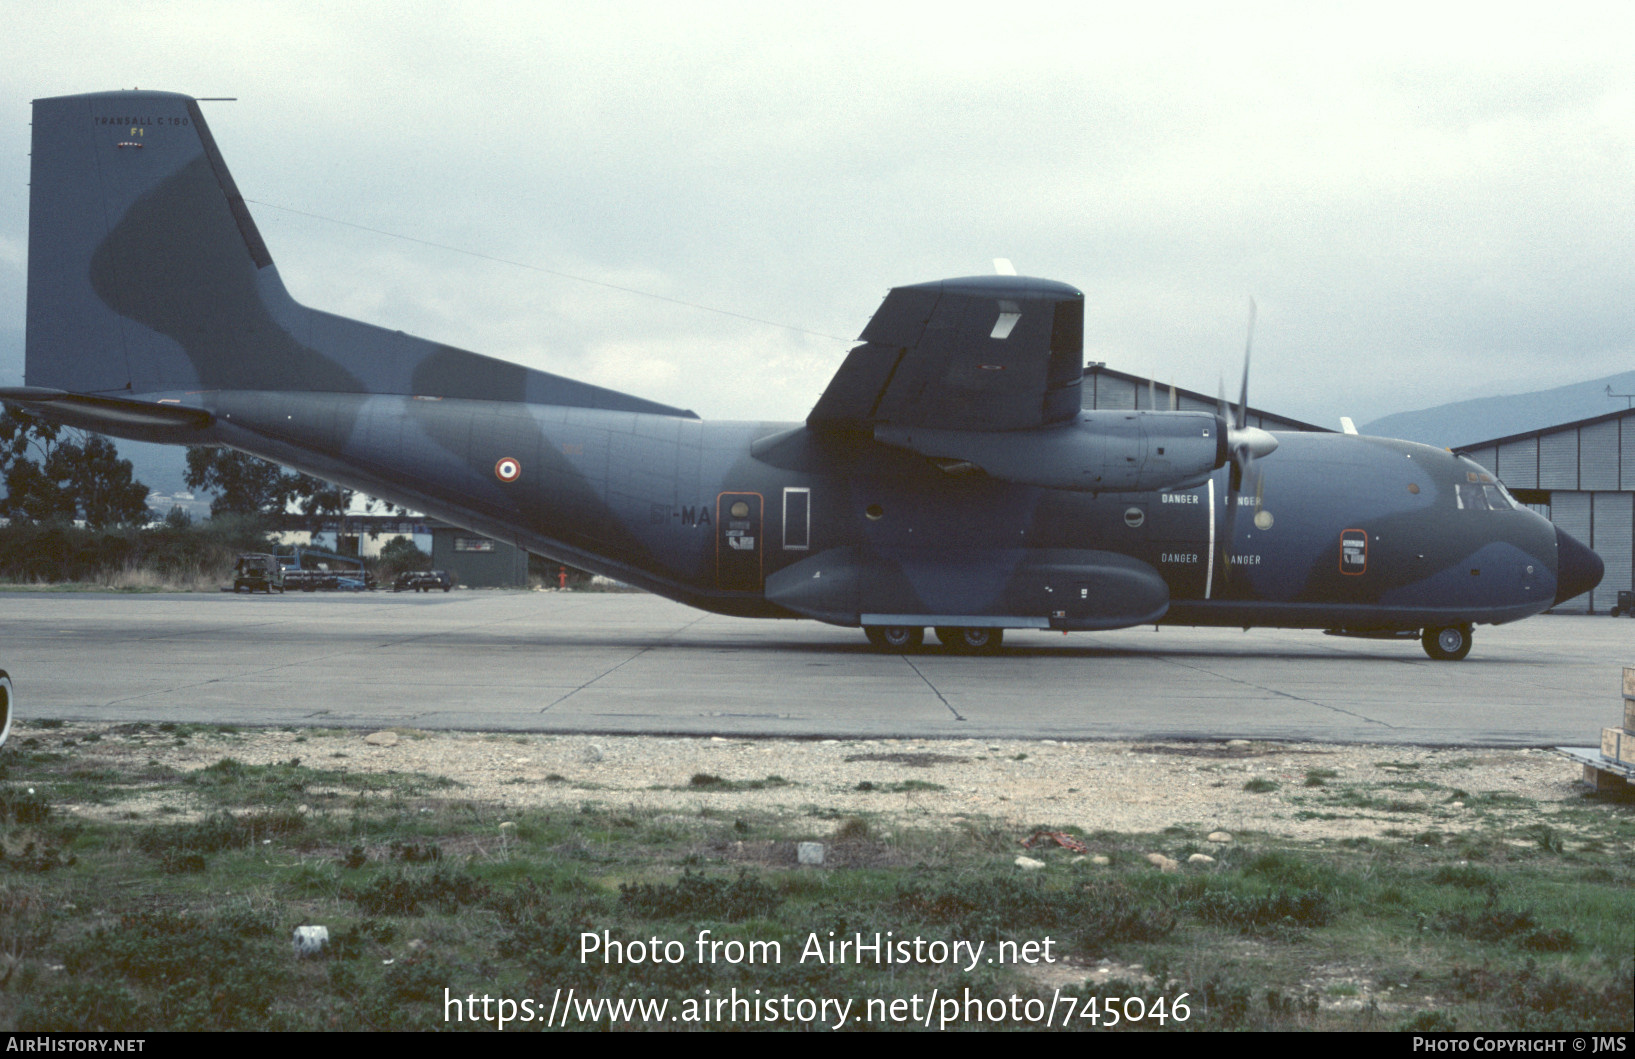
<point>147,274</point>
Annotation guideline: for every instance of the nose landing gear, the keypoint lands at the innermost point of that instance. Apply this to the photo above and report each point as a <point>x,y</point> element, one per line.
<point>1446,643</point>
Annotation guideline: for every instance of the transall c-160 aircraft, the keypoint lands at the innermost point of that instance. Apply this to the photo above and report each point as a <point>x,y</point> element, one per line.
<point>948,477</point>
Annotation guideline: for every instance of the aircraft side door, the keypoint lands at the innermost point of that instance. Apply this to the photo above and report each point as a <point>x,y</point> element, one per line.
<point>738,542</point>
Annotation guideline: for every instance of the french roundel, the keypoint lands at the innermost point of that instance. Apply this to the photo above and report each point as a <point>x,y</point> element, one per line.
<point>507,469</point>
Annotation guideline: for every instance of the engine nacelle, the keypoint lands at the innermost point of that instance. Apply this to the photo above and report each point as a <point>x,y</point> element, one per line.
<point>1099,452</point>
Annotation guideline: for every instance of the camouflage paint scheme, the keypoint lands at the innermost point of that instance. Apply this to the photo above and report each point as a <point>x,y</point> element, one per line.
<point>947,477</point>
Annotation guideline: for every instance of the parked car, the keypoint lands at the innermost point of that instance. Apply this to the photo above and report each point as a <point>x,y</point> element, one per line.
<point>423,580</point>
<point>257,572</point>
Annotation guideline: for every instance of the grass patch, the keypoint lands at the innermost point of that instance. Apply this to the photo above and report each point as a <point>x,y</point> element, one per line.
<point>900,786</point>
<point>707,782</point>
<point>182,921</point>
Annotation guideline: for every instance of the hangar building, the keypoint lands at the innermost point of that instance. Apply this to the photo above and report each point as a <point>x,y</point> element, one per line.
<point>1105,388</point>
<point>1581,476</point>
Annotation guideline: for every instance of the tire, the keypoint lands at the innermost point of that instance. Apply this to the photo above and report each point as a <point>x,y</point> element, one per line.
<point>1446,643</point>
<point>895,637</point>
<point>6,701</point>
<point>968,640</point>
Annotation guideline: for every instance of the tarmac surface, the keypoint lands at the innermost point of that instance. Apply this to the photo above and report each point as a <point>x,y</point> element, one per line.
<point>631,663</point>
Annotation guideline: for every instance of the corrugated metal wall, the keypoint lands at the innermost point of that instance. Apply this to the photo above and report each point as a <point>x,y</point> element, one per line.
<point>1518,464</point>
<point>1571,513</point>
<point>1598,455</point>
<point>1109,392</point>
<point>1488,457</point>
<point>1615,543</point>
<point>1115,394</point>
<point>1558,460</point>
<point>1626,447</point>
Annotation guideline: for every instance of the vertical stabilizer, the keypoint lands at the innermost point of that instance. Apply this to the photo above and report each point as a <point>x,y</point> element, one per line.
<point>142,256</point>
<point>146,274</point>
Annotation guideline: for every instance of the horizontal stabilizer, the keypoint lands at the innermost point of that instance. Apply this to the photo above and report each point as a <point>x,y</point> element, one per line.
<point>145,420</point>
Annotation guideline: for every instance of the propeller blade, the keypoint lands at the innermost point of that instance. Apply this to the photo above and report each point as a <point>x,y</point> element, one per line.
<point>1244,444</point>
<point>1243,391</point>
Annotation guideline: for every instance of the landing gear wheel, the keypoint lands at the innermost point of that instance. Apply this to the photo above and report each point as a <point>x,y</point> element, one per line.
<point>895,637</point>
<point>5,706</point>
<point>1447,643</point>
<point>967,640</point>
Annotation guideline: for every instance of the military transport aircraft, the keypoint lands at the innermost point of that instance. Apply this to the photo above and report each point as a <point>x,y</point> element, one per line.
<point>947,478</point>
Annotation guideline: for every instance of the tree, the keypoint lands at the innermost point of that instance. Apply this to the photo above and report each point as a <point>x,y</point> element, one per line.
<point>245,485</point>
<point>401,553</point>
<point>58,474</point>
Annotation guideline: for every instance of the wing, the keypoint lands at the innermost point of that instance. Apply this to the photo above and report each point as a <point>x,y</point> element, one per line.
<point>987,353</point>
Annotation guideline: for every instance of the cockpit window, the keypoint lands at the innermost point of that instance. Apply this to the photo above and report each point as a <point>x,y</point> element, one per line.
<point>1480,491</point>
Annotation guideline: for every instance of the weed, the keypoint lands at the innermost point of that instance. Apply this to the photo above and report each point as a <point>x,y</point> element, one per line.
<point>1465,877</point>
<point>23,806</point>
<point>1253,913</point>
<point>1260,785</point>
<point>901,786</point>
<point>1493,923</point>
<point>363,938</point>
<point>705,781</point>
<point>1092,916</point>
<point>172,970</point>
<point>1527,999</point>
<point>1548,838</point>
<point>1430,1022</point>
<point>700,896</point>
<point>913,760</point>
<point>852,829</point>
<point>222,831</point>
<point>37,854</point>
<point>415,853</point>
<point>407,892</point>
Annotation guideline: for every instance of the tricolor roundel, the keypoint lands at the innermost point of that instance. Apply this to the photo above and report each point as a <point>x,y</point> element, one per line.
<point>507,468</point>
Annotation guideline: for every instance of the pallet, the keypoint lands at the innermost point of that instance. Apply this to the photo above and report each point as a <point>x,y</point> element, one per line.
<point>1611,766</point>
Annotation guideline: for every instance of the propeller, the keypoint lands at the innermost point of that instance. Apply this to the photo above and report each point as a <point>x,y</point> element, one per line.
<point>1244,446</point>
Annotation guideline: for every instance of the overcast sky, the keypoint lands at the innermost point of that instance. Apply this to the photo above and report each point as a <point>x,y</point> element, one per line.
<point>1428,203</point>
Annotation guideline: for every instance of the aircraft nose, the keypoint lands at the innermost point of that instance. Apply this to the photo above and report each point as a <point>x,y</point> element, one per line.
<point>1577,568</point>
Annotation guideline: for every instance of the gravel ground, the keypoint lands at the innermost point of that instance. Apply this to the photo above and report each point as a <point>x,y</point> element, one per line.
<point>1124,787</point>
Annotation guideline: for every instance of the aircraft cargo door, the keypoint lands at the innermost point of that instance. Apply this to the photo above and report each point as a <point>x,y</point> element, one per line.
<point>738,542</point>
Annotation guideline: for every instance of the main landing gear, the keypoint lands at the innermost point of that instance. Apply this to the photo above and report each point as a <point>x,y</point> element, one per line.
<point>1446,643</point>
<point>958,639</point>
<point>895,637</point>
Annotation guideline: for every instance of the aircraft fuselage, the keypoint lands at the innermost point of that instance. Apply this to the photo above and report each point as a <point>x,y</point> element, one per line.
<point>1354,532</point>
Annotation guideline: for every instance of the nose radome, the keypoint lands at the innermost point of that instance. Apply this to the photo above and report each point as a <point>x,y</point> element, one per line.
<point>1577,568</point>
